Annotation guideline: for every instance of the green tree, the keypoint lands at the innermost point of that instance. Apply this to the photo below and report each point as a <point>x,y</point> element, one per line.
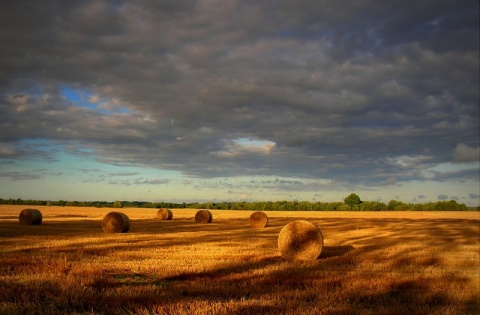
<point>392,204</point>
<point>118,204</point>
<point>353,201</point>
<point>373,206</point>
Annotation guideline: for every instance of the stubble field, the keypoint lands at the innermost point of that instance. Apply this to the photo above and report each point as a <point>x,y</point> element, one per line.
<point>371,263</point>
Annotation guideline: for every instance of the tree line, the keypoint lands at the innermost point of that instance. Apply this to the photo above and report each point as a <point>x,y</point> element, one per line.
<point>350,203</point>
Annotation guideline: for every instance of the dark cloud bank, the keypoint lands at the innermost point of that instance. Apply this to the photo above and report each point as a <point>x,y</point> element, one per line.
<point>367,92</point>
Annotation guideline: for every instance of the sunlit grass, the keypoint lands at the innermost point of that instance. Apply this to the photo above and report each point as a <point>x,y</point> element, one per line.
<point>372,263</point>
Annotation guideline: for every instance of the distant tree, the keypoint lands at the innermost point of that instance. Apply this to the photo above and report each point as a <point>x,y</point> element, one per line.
<point>418,207</point>
<point>118,204</point>
<point>373,206</point>
<point>208,205</point>
<point>392,204</point>
<point>344,207</point>
<point>353,201</point>
<point>304,205</point>
<point>399,206</point>
<point>267,205</point>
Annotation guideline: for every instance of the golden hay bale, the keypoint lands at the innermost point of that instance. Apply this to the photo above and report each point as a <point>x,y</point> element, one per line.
<point>30,217</point>
<point>203,216</point>
<point>164,214</point>
<point>258,219</point>
<point>116,222</point>
<point>300,240</point>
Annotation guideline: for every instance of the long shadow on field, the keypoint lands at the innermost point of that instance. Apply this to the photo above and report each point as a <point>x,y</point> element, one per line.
<point>338,282</point>
<point>335,251</point>
<point>52,228</point>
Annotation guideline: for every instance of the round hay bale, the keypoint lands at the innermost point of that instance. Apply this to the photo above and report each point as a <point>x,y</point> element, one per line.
<point>164,214</point>
<point>300,240</point>
<point>116,222</point>
<point>258,219</point>
<point>203,216</point>
<point>30,217</point>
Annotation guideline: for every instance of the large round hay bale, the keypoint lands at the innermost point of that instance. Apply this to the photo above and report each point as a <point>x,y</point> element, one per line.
<point>116,222</point>
<point>164,214</point>
<point>258,219</point>
<point>203,216</point>
<point>300,240</point>
<point>30,217</point>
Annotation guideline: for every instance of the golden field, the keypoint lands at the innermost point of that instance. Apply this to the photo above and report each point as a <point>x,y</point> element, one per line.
<point>371,263</point>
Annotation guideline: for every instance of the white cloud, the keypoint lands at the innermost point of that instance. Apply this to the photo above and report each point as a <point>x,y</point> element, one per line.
<point>410,162</point>
<point>239,147</point>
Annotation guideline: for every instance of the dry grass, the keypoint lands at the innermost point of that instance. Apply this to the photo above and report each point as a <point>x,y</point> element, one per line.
<point>371,263</point>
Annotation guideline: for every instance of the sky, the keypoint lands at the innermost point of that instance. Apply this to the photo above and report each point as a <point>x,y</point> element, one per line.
<point>230,100</point>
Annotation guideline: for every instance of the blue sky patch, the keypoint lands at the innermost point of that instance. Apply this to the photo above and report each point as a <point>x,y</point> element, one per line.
<point>84,98</point>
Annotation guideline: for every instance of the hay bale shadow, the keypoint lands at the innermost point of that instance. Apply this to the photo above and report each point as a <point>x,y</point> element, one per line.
<point>336,251</point>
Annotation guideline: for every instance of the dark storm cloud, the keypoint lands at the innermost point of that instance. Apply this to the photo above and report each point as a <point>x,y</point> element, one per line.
<point>122,174</point>
<point>360,91</point>
<point>442,197</point>
<point>139,181</point>
<point>473,196</point>
<point>464,153</point>
<point>28,175</point>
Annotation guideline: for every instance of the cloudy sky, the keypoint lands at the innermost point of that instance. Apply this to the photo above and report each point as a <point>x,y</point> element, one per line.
<point>240,100</point>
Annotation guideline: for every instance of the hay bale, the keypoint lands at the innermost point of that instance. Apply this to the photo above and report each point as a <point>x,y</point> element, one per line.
<point>203,216</point>
<point>116,222</point>
<point>300,240</point>
<point>258,219</point>
<point>164,214</point>
<point>30,217</point>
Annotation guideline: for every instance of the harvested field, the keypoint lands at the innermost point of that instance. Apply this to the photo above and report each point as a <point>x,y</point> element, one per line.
<point>371,263</point>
